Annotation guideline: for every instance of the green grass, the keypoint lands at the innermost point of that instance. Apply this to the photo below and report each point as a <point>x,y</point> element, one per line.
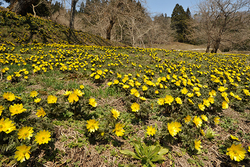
<point>69,120</point>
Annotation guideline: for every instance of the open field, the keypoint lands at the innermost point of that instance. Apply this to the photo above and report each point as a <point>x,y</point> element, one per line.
<point>64,103</point>
<point>96,101</point>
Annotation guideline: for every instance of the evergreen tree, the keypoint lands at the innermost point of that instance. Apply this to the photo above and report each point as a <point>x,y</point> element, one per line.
<point>81,10</point>
<point>179,22</point>
<point>188,13</point>
<point>56,7</point>
<point>87,9</point>
<point>8,1</point>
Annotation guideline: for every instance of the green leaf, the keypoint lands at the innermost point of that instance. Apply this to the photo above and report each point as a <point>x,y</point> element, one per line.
<point>163,151</point>
<point>158,158</point>
<point>138,151</point>
<point>144,149</point>
<point>154,151</point>
<point>151,163</point>
<point>130,153</point>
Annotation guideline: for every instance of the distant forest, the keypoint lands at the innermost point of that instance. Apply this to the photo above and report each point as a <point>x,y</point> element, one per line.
<point>218,24</point>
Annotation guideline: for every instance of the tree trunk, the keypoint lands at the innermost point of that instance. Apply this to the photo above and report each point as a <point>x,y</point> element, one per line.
<point>216,45</point>
<point>22,6</point>
<point>111,24</point>
<point>72,14</point>
<point>208,47</point>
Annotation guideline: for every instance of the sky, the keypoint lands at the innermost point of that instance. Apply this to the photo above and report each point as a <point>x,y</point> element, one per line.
<point>167,6</point>
<point>159,6</point>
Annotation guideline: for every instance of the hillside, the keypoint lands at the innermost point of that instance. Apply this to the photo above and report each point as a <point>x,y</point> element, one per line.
<point>90,106</point>
<point>19,29</point>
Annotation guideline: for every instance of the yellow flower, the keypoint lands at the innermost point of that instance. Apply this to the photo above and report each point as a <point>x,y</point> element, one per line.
<point>2,125</point>
<point>190,94</point>
<point>40,112</point>
<point>119,131</point>
<point>247,93</point>
<point>143,98</point>
<point>226,99</point>
<point>206,102</point>
<point>99,72</point>
<point>9,77</point>
<point>248,148</point>
<point>222,89</point>
<point>73,98</point>
<point>109,83</point>
<point>197,145</point>
<point>9,96</point>
<point>33,93</point>
<point>156,92</point>
<point>1,110</point>
<point>16,109</point>
<point>92,102</point>
<point>92,125</point>
<point>116,82</point>
<point>198,94</point>
<point>212,93</point>
<point>115,113</point>
<point>190,101</point>
<point>204,117</point>
<point>224,105</point>
<point>184,91</point>
<point>201,106</point>
<point>238,97</point>
<point>144,88</point>
<point>178,100</point>
<point>25,132</point>
<point>169,99</point>
<point>151,131</point>
<point>43,137</point>
<point>196,89</point>
<point>133,91</point>
<point>78,92</point>
<point>125,86</point>
<point>197,121</point>
<point>202,132</point>
<point>135,107</point>
<point>211,100</point>
<point>37,100</point>
<point>234,137</point>
<point>137,94</point>
<point>231,93</point>
<point>236,152</point>
<point>161,101</point>
<point>224,94</point>
<point>67,93</point>
<point>174,128</point>
<point>217,120</point>
<point>137,84</point>
<point>22,153</point>
<point>7,125</point>
<point>51,99</point>
<point>97,76</point>
<point>187,119</point>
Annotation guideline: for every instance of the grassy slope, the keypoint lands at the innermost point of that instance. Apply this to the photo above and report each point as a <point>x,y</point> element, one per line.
<point>74,146</point>
<point>27,29</point>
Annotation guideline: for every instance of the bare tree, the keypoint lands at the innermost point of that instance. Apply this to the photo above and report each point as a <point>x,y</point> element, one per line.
<point>220,19</point>
<point>34,6</point>
<point>22,6</point>
<point>104,16</point>
<point>72,13</point>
